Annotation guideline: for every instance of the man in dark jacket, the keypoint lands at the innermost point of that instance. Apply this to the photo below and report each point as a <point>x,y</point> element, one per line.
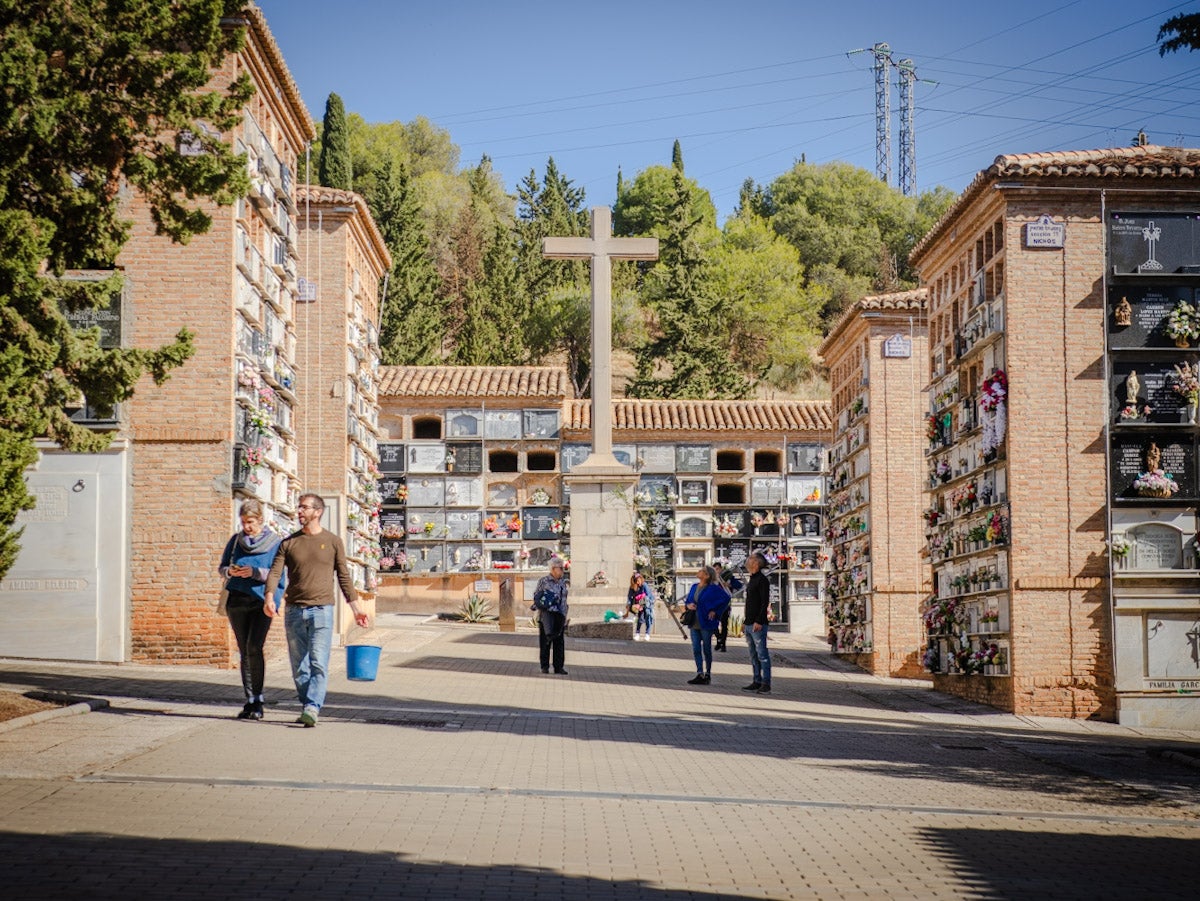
<point>758,615</point>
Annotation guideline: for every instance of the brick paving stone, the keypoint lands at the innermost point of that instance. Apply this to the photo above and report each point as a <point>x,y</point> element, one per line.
<point>463,772</point>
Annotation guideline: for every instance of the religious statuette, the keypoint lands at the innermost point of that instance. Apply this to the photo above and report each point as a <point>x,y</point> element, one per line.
<point>1153,457</point>
<point>1123,313</point>
<point>1132,386</point>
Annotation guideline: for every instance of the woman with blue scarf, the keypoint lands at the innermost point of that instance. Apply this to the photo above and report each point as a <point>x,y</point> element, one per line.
<point>709,601</point>
<point>245,564</point>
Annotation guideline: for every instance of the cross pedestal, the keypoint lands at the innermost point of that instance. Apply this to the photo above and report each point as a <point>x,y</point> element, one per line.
<point>601,520</point>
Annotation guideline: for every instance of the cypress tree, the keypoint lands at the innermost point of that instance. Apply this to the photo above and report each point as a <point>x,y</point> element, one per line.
<point>677,157</point>
<point>687,354</point>
<point>411,325</point>
<point>333,168</point>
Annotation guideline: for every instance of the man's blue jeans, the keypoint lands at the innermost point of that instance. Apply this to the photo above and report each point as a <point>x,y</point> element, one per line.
<point>309,637</point>
<point>760,657</point>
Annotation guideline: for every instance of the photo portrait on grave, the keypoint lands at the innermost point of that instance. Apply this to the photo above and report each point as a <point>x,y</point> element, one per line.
<point>244,565</point>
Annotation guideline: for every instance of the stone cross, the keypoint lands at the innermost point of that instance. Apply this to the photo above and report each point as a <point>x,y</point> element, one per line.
<point>601,248</point>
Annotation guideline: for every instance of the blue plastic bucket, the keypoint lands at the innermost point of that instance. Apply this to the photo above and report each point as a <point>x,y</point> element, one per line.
<point>362,662</point>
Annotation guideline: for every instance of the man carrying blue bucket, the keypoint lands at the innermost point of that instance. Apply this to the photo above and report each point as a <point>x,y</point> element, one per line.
<point>312,556</point>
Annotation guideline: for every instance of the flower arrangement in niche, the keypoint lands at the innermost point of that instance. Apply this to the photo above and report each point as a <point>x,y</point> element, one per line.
<point>1155,483</point>
<point>724,527</point>
<point>757,519</point>
<point>556,526</point>
<point>428,528</point>
<point>782,520</point>
<point>513,524</point>
<point>254,457</point>
<point>490,525</point>
<point>641,560</point>
<point>402,494</point>
<point>1183,324</point>
<point>1119,546</point>
<point>1133,413</point>
<point>1186,382</point>
<point>599,580</point>
<point>942,471</point>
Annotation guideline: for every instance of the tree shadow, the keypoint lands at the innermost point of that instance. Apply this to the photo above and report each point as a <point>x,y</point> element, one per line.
<point>1012,863</point>
<point>92,866</point>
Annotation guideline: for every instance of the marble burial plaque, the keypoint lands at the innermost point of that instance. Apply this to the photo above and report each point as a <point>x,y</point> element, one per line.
<point>1128,460</point>
<point>804,457</point>
<point>391,525</point>
<point>692,559</point>
<point>1154,382</point>
<point>464,524</point>
<point>426,458</point>
<point>426,559</point>
<point>389,488</point>
<point>656,457</point>
<point>106,318</point>
<point>1150,307</point>
<point>502,424</point>
<point>426,525</point>
<point>1156,546</point>
<point>806,525</point>
<point>541,423</point>
<point>766,491</point>
<point>392,555</point>
<point>426,492</point>
<point>573,454</point>
<point>464,423</point>
<point>805,591</point>
<point>656,490</point>
<point>692,527</point>
<point>693,491</point>
<point>464,492</point>
<point>535,523</point>
<point>468,456</point>
<point>1172,648</point>
<point>733,551</point>
<point>693,458</point>
<point>804,489</point>
<point>1153,243</point>
<point>391,458</point>
<point>463,558</point>
<point>501,494</point>
<point>626,454</point>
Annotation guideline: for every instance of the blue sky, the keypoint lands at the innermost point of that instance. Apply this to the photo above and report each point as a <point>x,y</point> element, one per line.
<point>747,87</point>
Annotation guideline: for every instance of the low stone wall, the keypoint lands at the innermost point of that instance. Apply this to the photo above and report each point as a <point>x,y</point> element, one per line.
<point>618,629</point>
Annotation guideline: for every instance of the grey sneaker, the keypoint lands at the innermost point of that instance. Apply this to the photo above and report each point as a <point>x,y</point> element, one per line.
<point>308,718</point>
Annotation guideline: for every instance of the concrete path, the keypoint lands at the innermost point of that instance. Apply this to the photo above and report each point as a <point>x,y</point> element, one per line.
<point>463,772</point>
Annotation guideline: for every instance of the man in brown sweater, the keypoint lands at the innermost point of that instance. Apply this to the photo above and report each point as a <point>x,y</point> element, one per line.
<point>312,557</point>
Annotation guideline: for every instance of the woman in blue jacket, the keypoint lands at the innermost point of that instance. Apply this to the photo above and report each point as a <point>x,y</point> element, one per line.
<point>710,601</point>
<point>244,565</point>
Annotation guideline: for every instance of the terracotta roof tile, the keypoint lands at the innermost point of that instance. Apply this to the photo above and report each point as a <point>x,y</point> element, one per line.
<point>321,196</point>
<point>258,21</point>
<point>706,415</point>
<point>916,300</point>
<point>542,382</point>
<point>1152,161</point>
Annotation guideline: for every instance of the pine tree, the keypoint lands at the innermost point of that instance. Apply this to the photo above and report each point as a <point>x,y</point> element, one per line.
<point>333,168</point>
<point>688,352</point>
<point>411,327</point>
<point>677,156</point>
<point>96,100</point>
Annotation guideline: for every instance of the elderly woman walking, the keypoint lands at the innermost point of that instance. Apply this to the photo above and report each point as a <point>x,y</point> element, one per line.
<point>244,565</point>
<point>706,603</point>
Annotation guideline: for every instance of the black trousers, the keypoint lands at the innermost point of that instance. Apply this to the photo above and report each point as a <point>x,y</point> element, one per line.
<point>723,631</point>
<point>250,627</point>
<point>551,639</point>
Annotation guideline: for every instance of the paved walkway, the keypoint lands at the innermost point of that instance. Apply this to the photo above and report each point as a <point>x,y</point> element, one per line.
<point>463,772</point>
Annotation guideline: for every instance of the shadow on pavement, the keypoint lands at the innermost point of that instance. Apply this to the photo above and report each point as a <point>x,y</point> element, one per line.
<point>1005,863</point>
<point>92,866</point>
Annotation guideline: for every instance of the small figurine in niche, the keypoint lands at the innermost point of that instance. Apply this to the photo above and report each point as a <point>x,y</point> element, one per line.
<point>1132,387</point>
<point>1153,457</point>
<point>1123,313</point>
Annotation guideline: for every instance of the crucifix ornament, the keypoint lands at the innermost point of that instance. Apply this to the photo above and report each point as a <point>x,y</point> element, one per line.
<point>601,248</point>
